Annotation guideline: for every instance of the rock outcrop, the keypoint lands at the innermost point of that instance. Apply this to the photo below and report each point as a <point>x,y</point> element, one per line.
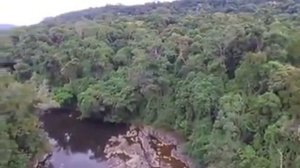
<point>145,147</point>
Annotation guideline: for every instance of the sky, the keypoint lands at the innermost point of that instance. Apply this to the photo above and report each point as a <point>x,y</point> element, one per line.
<point>27,12</point>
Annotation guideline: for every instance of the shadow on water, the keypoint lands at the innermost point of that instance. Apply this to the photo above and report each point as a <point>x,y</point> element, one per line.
<point>78,143</point>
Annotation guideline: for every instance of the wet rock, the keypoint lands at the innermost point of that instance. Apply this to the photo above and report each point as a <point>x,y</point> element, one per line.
<point>145,147</point>
<point>44,162</point>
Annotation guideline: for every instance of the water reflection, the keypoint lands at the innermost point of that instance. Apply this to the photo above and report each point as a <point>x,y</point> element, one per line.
<point>78,143</point>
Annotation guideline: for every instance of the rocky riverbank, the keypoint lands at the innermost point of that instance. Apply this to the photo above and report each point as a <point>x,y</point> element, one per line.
<point>93,144</point>
<point>146,147</point>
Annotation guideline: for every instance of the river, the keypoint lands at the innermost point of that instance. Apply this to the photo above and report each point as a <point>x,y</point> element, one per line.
<point>94,144</point>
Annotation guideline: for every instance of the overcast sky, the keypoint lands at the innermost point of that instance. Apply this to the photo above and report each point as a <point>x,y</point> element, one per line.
<point>26,12</point>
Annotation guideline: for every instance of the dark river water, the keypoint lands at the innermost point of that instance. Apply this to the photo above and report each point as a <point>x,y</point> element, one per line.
<point>81,143</point>
<point>78,143</point>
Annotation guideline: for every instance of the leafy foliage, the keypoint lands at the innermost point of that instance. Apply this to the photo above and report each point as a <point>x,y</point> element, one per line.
<point>20,138</point>
<point>223,73</point>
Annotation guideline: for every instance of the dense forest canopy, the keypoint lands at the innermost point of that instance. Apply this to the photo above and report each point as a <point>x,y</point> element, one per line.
<point>223,73</point>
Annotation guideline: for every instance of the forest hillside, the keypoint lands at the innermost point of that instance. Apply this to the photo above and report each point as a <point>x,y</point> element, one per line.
<point>223,73</point>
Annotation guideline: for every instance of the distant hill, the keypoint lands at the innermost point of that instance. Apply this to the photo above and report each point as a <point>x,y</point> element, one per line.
<point>175,7</point>
<point>6,26</point>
